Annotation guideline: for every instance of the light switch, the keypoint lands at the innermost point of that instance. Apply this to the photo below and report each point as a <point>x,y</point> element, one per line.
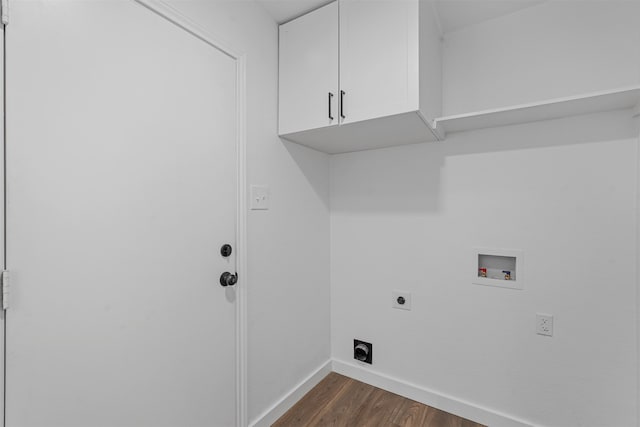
<point>259,197</point>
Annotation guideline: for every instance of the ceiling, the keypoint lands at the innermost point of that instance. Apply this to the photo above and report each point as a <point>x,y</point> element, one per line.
<point>453,14</point>
<point>456,14</point>
<point>286,10</point>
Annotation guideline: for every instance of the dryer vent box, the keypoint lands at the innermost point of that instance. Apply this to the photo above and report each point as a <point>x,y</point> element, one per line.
<point>363,351</point>
<point>498,267</point>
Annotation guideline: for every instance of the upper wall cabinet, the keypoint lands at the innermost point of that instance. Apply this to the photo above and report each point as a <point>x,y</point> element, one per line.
<point>309,71</point>
<point>360,74</point>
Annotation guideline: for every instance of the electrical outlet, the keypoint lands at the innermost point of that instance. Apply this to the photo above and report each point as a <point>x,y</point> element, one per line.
<point>401,300</point>
<point>544,324</point>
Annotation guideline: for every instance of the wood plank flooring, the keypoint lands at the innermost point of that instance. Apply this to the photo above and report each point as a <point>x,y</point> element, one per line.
<point>341,401</point>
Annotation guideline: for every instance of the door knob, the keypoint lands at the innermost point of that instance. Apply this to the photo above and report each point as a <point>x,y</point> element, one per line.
<point>228,279</point>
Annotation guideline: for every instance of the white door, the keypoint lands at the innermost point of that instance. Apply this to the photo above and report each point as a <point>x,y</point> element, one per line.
<point>309,71</point>
<point>121,151</point>
<point>378,58</point>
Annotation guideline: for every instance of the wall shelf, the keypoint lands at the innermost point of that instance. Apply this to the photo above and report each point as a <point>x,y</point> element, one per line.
<point>409,128</point>
<point>595,102</point>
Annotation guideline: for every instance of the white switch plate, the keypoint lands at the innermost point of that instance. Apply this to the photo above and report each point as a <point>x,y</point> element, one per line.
<point>260,196</point>
<point>544,324</point>
<point>401,294</point>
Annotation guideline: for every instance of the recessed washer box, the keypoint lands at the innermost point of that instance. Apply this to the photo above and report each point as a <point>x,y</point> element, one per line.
<point>503,268</point>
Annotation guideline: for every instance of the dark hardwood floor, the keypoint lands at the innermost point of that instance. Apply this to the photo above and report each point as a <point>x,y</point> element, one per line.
<point>344,402</point>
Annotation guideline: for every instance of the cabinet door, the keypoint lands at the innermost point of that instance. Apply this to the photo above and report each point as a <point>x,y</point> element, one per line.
<point>309,71</point>
<point>378,58</point>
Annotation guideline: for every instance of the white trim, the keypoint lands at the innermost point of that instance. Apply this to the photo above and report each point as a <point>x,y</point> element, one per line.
<point>436,15</point>
<point>468,410</point>
<point>3,219</point>
<point>278,409</point>
<point>637,122</point>
<point>241,252</point>
<point>173,15</point>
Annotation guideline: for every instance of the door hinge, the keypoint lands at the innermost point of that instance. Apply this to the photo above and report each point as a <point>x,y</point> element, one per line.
<point>5,12</point>
<point>5,289</point>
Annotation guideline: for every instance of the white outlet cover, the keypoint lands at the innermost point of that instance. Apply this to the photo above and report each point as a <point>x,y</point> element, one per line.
<point>401,294</point>
<point>260,195</point>
<point>544,324</point>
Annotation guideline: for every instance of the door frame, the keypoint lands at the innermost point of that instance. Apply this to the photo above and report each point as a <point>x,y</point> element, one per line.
<point>177,18</point>
<point>3,213</point>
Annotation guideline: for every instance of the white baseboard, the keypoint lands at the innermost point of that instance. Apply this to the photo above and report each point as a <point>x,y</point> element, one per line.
<point>277,410</point>
<point>431,398</point>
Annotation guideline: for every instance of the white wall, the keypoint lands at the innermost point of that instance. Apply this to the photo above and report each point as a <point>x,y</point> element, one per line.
<point>558,48</point>
<point>566,198</point>
<point>408,218</point>
<point>564,192</point>
<point>288,259</point>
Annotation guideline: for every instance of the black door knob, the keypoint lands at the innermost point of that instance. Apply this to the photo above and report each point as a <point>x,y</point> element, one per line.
<point>226,250</point>
<point>401,300</point>
<point>228,279</point>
